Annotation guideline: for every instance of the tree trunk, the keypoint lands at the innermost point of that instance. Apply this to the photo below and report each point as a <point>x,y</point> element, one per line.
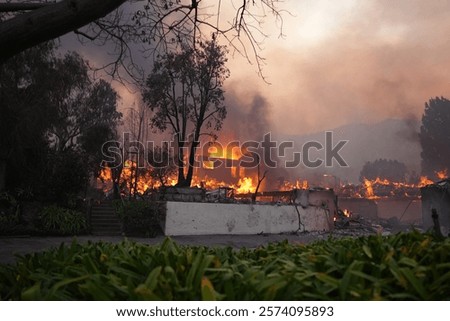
<point>190,172</point>
<point>181,181</point>
<point>49,22</point>
<point>192,153</point>
<point>2,174</point>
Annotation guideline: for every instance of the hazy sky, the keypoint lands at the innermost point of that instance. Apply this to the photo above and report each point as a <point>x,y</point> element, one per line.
<point>352,61</point>
<point>342,62</point>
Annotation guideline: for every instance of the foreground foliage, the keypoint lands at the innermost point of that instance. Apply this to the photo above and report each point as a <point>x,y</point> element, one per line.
<point>409,266</point>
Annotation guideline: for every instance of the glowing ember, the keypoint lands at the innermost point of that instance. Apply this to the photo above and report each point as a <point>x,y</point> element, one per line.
<point>347,213</point>
<point>298,184</point>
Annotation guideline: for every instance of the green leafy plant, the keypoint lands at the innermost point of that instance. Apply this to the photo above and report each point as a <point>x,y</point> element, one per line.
<point>409,266</point>
<point>9,213</point>
<point>140,218</point>
<point>62,221</point>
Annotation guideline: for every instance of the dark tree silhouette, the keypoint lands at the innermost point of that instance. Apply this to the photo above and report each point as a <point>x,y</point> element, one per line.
<point>25,115</point>
<point>435,136</point>
<point>80,104</point>
<point>185,93</point>
<point>391,170</point>
<point>51,113</point>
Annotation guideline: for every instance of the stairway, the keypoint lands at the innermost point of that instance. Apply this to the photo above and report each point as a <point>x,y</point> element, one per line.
<point>104,220</point>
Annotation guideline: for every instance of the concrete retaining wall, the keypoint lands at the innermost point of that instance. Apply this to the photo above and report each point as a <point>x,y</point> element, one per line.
<point>408,210</point>
<point>360,207</point>
<point>190,218</point>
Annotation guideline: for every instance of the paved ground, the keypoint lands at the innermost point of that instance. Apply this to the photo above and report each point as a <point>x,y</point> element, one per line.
<point>10,246</point>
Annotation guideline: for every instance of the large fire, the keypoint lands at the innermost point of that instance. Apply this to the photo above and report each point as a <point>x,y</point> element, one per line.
<point>129,181</point>
<point>245,185</point>
<point>132,182</point>
<point>377,188</point>
<point>144,182</point>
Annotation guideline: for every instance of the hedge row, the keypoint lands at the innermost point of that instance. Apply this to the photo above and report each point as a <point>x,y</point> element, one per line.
<point>407,266</point>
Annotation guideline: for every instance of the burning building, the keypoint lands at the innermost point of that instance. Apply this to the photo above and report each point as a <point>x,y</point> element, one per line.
<point>383,199</point>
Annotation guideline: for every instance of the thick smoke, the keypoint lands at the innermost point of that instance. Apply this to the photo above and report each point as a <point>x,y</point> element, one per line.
<point>343,63</point>
<point>380,60</point>
<point>247,116</point>
<point>410,129</point>
<point>248,119</point>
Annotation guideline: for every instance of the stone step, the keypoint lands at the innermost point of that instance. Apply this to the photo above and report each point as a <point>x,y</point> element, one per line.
<point>100,210</point>
<point>107,227</point>
<point>105,213</point>
<point>105,223</point>
<point>104,220</point>
<point>107,233</point>
<point>101,216</point>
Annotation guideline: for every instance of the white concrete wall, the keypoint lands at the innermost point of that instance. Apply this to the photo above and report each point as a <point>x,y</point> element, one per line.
<point>189,218</point>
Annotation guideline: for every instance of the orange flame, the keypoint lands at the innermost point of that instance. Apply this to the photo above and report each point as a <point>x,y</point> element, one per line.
<point>369,188</point>
<point>442,174</point>
<point>298,184</point>
<point>128,176</point>
<point>245,186</point>
<point>392,188</point>
<point>424,181</point>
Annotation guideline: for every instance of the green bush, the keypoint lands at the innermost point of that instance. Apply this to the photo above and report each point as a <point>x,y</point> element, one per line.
<point>402,267</point>
<point>9,214</point>
<point>140,218</point>
<point>62,221</point>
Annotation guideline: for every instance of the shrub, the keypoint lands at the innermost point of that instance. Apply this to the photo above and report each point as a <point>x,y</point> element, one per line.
<point>62,221</point>
<point>140,218</point>
<point>401,267</point>
<point>9,214</point>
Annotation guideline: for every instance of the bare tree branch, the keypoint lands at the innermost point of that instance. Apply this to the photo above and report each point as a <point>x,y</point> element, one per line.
<point>145,28</point>
<point>158,27</point>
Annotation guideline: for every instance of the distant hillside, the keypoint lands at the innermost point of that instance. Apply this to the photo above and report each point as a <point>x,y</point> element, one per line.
<point>392,139</point>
